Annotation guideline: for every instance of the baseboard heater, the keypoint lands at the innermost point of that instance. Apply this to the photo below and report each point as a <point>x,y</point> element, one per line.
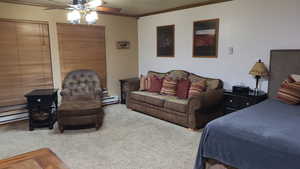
<point>19,112</point>
<point>13,113</point>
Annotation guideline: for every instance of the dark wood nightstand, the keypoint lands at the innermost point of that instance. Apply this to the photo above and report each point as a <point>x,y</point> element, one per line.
<point>42,108</point>
<point>125,87</point>
<point>234,102</point>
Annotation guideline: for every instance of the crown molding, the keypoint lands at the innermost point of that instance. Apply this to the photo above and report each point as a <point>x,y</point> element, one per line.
<point>122,14</point>
<point>184,7</point>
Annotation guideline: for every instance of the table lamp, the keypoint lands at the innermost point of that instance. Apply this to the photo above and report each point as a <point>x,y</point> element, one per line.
<point>259,70</point>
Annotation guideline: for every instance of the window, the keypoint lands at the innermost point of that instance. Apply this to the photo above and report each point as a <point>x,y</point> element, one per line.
<point>82,47</point>
<point>25,61</point>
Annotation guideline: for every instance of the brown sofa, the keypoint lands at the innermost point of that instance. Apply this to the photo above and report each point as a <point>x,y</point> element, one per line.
<point>192,113</point>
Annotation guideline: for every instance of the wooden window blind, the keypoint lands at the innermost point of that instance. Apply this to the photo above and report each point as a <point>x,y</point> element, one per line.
<point>25,61</point>
<point>82,47</point>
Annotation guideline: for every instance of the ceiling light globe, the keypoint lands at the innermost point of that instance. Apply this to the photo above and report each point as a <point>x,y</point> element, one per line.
<point>91,17</point>
<point>74,16</point>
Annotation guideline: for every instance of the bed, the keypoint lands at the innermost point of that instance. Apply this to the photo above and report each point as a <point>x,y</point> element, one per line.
<point>264,136</point>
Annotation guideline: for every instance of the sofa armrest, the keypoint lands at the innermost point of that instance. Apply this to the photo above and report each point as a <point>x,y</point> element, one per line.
<point>202,103</point>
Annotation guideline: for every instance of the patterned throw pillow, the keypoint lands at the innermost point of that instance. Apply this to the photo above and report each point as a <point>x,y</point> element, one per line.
<point>197,88</point>
<point>169,87</point>
<point>156,84</point>
<point>143,83</point>
<point>289,92</point>
<point>148,82</point>
<point>183,87</point>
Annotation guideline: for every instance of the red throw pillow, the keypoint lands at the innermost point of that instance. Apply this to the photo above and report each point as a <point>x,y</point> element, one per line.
<point>156,84</point>
<point>197,88</point>
<point>182,90</point>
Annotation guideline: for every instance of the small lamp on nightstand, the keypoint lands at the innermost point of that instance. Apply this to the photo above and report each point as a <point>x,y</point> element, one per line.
<point>259,70</point>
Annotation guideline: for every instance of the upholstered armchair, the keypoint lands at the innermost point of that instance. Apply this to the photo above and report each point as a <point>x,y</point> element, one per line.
<point>81,100</point>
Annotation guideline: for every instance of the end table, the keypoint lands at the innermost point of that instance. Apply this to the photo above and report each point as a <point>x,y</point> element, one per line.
<point>125,87</point>
<point>42,108</point>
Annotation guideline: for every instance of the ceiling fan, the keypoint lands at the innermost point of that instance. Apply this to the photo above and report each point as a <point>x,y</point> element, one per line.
<point>85,8</point>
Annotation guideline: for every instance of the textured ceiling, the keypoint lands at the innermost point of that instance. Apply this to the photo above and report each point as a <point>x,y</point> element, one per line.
<point>138,7</point>
<point>130,7</point>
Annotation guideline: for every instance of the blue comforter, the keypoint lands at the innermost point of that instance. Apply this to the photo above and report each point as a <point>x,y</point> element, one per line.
<point>264,136</point>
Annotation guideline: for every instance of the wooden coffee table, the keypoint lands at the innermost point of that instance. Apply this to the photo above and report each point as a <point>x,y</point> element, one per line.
<point>40,159</point>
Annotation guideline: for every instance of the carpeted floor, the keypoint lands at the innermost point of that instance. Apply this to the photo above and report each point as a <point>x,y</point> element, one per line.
<point>127,140</point>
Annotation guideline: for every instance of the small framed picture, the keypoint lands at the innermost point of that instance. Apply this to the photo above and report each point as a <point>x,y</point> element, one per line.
<point>165,41</point>
<point>123,45</point>
<point>205,37</point>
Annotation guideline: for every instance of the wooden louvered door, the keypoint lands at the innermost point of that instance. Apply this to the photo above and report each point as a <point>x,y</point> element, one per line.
<point>82,47</point>
<point>25,61</point>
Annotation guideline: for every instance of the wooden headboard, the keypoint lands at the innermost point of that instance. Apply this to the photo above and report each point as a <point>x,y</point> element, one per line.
<point>282,64</point>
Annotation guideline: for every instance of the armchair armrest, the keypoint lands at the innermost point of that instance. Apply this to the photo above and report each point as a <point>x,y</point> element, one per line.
<point>65,92</point>
<point>98,93</point>
<point>203,103</point>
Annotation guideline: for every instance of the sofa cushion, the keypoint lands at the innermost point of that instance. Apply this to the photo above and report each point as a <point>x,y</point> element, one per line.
<point>149,97</point>
<point>173,103</point>
<point>212,84</point>
<point>177,74</point>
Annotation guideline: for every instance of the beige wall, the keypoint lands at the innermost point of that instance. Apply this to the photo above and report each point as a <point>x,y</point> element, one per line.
<point>120,63</point>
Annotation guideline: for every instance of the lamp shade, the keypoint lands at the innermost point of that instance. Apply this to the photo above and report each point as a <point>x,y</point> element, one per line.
<point>259,69</point>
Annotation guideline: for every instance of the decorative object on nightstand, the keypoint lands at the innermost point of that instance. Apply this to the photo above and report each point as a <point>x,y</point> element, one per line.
<point>236,101</point>
<point>125,88</point>
<point>259,70</point>
<point>42,108</point>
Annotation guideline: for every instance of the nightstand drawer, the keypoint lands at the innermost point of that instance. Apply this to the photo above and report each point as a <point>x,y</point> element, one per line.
<point>237,102</point>
<point>233,102</point>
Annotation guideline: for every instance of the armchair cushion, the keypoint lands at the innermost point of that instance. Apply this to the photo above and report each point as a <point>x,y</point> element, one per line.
<point>79,107</point>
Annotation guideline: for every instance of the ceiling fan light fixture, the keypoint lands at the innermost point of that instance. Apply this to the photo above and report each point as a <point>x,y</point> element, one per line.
<point>91,17</point>
<point>95,3</point>
<point>74,16</point>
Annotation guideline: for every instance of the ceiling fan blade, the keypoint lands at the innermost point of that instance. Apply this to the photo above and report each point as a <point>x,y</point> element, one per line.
<point>108,9</point>
<point>56,7</point>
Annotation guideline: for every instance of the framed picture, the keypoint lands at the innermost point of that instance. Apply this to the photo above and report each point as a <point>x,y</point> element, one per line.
<point>206,37</point>
<point>123,45</point>
<point>165,41</point>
